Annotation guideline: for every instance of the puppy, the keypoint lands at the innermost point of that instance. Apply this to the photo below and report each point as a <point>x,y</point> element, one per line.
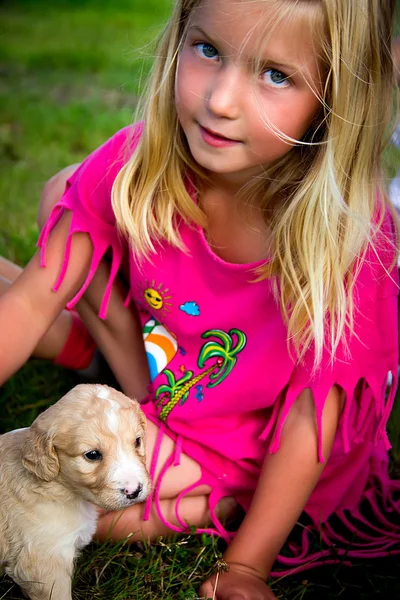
<point>85,450</point>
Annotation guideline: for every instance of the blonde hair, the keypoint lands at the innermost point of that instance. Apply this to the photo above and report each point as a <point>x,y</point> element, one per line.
<point>320,197</point>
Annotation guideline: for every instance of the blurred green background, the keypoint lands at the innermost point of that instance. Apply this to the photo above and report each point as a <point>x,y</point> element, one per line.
<point>70,74</point>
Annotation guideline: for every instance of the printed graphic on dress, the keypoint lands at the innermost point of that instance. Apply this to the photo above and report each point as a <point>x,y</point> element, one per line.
<point>155,297</point>
<point>160,345</point>
<point>199,395</point>
<point>222,351</point>
<point>190,308</point>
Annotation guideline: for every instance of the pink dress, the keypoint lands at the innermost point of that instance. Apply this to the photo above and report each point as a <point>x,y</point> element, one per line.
<point>221,370</point>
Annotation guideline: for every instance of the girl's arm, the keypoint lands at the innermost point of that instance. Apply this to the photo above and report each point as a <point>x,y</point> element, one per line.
<point>30,306</point>
<point>119,336</point>
<point>285,484</point>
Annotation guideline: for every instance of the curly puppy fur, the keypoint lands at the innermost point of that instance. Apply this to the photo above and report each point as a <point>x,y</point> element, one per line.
<point>87,449</point>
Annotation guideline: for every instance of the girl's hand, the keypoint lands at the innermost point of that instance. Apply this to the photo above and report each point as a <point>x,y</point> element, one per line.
<point>238,582</point>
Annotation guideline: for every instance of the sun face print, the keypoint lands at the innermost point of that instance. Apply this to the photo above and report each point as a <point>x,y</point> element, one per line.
<point>156,297</point>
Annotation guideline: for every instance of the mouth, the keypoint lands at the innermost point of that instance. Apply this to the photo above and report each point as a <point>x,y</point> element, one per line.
<point>122,502</point>
<point>216,139</point>
<point>125,503</point>
<point>114,500</point>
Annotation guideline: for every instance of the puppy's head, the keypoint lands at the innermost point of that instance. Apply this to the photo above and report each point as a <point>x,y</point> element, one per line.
<point>92,442</point>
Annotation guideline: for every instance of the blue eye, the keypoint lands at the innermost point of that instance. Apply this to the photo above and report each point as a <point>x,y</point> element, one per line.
<point>276,78</point>
<point>206,50</point>
<point>93,455</point>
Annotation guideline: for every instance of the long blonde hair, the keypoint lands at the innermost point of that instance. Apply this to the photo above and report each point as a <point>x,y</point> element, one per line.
<point>327,185</point>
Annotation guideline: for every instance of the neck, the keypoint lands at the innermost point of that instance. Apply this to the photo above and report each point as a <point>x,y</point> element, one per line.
<point>236,231</point>
<point>232,183</point>
<point>216,196</point>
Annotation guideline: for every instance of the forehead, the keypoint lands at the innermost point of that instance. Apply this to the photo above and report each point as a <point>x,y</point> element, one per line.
<point>107,415</point>
<point>118,420</point>
<point>255,27</point>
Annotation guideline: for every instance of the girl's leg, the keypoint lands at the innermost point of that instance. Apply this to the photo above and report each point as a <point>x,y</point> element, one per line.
<point>52,192</point>
<point>193,508</point>
<point>54,340</point>
<point>119,525</point>
<point>8,271</point>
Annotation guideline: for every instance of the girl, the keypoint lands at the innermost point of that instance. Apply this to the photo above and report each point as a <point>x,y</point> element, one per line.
<point>246,213</point>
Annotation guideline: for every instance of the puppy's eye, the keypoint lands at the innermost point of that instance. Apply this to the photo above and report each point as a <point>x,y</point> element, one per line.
<point>138,442</point>
<point>93,455</point>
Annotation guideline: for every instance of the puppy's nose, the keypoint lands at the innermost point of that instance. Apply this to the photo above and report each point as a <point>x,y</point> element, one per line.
<point>131,495</point>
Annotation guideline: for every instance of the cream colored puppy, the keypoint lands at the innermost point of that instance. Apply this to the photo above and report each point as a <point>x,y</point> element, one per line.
<point>86,449</point>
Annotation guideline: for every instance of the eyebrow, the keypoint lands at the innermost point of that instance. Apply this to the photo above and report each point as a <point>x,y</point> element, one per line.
<point>276,63</point>
<point>194,26</point>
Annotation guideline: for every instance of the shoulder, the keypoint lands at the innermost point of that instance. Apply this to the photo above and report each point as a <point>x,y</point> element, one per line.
<point>88,190</point>
<point>107,160</point>
<point>378,272</point>
<point>123,143</point>
<point>370,335</point>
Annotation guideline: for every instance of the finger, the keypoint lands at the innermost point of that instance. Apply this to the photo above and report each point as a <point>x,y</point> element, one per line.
<point>206,590</point>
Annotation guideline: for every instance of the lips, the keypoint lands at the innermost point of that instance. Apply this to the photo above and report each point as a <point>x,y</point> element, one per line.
<point>214,139</point>
<point>218,135</point>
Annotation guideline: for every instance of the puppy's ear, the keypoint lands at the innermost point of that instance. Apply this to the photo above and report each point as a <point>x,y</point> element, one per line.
<point>142,419</point>
<point>39,455</point>
<point>140,415</point>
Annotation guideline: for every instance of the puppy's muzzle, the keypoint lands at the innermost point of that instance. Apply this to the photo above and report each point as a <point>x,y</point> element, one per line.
<point>132,494</point>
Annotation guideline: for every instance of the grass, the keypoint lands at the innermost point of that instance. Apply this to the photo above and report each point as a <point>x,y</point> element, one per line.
<point>70,75</point>
<point>69,79</point>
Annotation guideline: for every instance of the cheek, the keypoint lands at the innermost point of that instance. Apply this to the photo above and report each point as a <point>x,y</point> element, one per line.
<point>296,118</point>
<point>291,118</point>
<point>181,100</point>
<point>84,473</point>
<point>188,86</point>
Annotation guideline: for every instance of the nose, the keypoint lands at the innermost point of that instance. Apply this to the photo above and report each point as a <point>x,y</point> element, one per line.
<point>130,493</point>
<point>226,92</point>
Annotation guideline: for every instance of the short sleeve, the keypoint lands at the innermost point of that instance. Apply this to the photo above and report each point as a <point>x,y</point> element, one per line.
<point>366,364</point>
<point>88,196</point>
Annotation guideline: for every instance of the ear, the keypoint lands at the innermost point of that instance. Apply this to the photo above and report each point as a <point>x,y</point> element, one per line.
<point>141,417</point>
<point>39,455</point>
<point>140,414</point>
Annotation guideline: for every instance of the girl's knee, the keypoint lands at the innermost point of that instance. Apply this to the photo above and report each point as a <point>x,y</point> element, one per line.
<point>52,192</point>
<point>8,271</point>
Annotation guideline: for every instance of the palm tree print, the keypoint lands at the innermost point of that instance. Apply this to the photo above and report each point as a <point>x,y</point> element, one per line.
<point>173,388</point>
<point>224,350</point>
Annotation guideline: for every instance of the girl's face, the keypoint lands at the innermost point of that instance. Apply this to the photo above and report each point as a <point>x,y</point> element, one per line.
<point>223,106</point>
